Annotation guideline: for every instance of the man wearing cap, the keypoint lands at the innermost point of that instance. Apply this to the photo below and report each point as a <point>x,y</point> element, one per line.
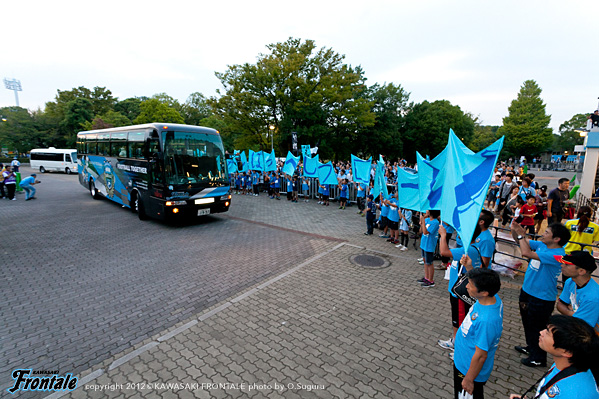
<point>27,185</point>
<point>580,297</point>
<point>539,290</point>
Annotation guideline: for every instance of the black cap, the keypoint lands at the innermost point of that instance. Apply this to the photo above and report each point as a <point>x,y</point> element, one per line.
<point>581,259</point>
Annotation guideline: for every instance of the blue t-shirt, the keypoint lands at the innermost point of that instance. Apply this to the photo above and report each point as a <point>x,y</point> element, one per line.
<point>448,228</point>
<point>361,190</point>
<point>428,242</point>
<point>393,214</point>
<point>325,190</point>
<point>28,180</point>
<point>485,244</point>
<point>277,183</point>
<point>289,185</point>
<point>584,301</point>
<point>541,275</point>
<point>481,328</point>
<point>578,386</point>
<point>343,192</point>
<point>305,185</point>
<point>384,210</point>
<point>454,269</point>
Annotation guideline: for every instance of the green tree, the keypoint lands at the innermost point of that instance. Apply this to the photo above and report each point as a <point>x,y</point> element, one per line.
<point>526,128</point>
<point>390,103</point>
<point>108,120</point>
<point>196,108</point>
<point>130,107</point>
<point>153,110</point>
<point>483,137</point>
<point>426,128</point>
<point>77,112</point>
<point>20,130</point>
<point>299,89</point>
<point>569,134</point>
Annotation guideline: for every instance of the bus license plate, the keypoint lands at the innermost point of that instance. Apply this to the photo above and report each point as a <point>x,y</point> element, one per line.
<point>202,212</point>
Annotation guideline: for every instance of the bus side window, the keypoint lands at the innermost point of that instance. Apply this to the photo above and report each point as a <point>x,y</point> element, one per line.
<point>136,149</point>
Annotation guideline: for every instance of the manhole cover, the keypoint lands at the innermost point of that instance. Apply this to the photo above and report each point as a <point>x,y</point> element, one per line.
<point>369,261</point>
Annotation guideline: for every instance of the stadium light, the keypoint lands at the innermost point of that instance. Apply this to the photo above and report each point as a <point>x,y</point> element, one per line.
<point>15,85</point>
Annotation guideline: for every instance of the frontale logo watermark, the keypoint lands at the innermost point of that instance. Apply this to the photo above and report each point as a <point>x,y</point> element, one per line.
<point>26,380</point>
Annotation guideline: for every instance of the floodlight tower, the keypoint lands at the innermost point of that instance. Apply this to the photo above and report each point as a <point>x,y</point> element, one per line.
<point>15,85</point>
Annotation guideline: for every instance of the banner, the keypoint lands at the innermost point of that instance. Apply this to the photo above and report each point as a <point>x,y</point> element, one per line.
<point>311,166</point>
<point>270,162</point>
<point>361,169</point>
<point>380,186</point>
<point>231,166</point>
<point>256,160</point>
<point>465,185</point>
<point>326,174</point>
<point>306,152</point>
<point>408,193</point>
<point>245,166</point>
<point>290,164</point>
<point>431,175</point>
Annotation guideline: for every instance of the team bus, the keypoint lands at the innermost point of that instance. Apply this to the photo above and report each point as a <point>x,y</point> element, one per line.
<point>159,170</point>
<point>48,159</point>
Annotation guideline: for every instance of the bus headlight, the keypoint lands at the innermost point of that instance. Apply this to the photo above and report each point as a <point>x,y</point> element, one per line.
<point>171,203</point>
<point>227,203</point>
<point>175,210</point>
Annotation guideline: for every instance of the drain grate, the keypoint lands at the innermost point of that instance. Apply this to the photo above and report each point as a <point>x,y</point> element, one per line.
<point>369,261</point>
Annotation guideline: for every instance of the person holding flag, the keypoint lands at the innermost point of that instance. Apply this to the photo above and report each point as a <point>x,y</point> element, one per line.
<point>429,227</point>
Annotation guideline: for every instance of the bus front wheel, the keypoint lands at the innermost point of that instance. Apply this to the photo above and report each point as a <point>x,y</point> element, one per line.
<point>93,191</point>
<point>138,206</point>
<point>67,171</point>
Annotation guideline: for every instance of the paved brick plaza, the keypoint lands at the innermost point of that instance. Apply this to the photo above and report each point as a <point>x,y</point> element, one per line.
<point>263,299</point>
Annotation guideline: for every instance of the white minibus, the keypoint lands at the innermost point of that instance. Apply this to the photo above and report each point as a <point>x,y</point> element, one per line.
<point>48,159</point>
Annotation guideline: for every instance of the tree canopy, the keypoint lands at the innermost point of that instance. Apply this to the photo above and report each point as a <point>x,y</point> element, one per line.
<point>526,128</point>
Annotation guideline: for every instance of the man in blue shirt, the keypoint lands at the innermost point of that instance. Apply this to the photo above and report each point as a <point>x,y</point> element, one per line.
<point>478,336</point>
<point>539,290</point>
<point>27,185</point>
<point>580,297</point>
<point>573,345</point>
<point>485,241</point>
<point>370,215</point>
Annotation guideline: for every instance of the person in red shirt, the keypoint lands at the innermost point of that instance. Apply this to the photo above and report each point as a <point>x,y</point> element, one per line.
<point>527,213</point>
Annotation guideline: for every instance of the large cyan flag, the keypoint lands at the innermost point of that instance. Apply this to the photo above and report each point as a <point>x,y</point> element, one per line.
<point>380,186</point>
<point>311,166</point>
<point>231,166</point>
<point>245,166</point>
<point>256,161</point>
<point>431,175</point>
<point>290,164</point>
<point>361,169</point>
<point>326,173</point>
<point>407,189</point>
<point>270,162</point>
<point>465,185</point>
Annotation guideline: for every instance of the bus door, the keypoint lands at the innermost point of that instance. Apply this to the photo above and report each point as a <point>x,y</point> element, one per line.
<point>156,178</point>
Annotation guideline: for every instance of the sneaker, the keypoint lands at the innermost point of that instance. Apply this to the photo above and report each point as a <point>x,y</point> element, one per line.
<point>446,344</point>
<point>420,259</point>
<point>362,215</point>
<point>367,234</point>
<point>340,207</point>
<point>451,355</point>
<point>442,266</point>
<point>399,246</point>
<point>389,239</point>
<point>359,212</point>
<point>428,284</point>
<point>522,349</point>
<point>383,236</point>
<point>14,199</point>
<point>421,280</point>
<point>404,249</point>
<point>533,363</point>
<point>421,262</point>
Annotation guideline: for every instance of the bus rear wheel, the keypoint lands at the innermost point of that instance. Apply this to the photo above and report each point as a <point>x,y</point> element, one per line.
<point>42,169</point>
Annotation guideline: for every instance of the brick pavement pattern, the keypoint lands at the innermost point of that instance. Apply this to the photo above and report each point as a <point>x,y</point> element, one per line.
<point>278,306</point>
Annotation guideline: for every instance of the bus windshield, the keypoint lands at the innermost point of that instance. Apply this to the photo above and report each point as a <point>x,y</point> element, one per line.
<point>193,158</point>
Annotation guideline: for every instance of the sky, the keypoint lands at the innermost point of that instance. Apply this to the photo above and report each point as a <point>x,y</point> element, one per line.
<point>476,54</point>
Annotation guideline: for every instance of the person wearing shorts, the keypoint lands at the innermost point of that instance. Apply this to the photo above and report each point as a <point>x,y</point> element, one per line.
<point>429,227</point>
